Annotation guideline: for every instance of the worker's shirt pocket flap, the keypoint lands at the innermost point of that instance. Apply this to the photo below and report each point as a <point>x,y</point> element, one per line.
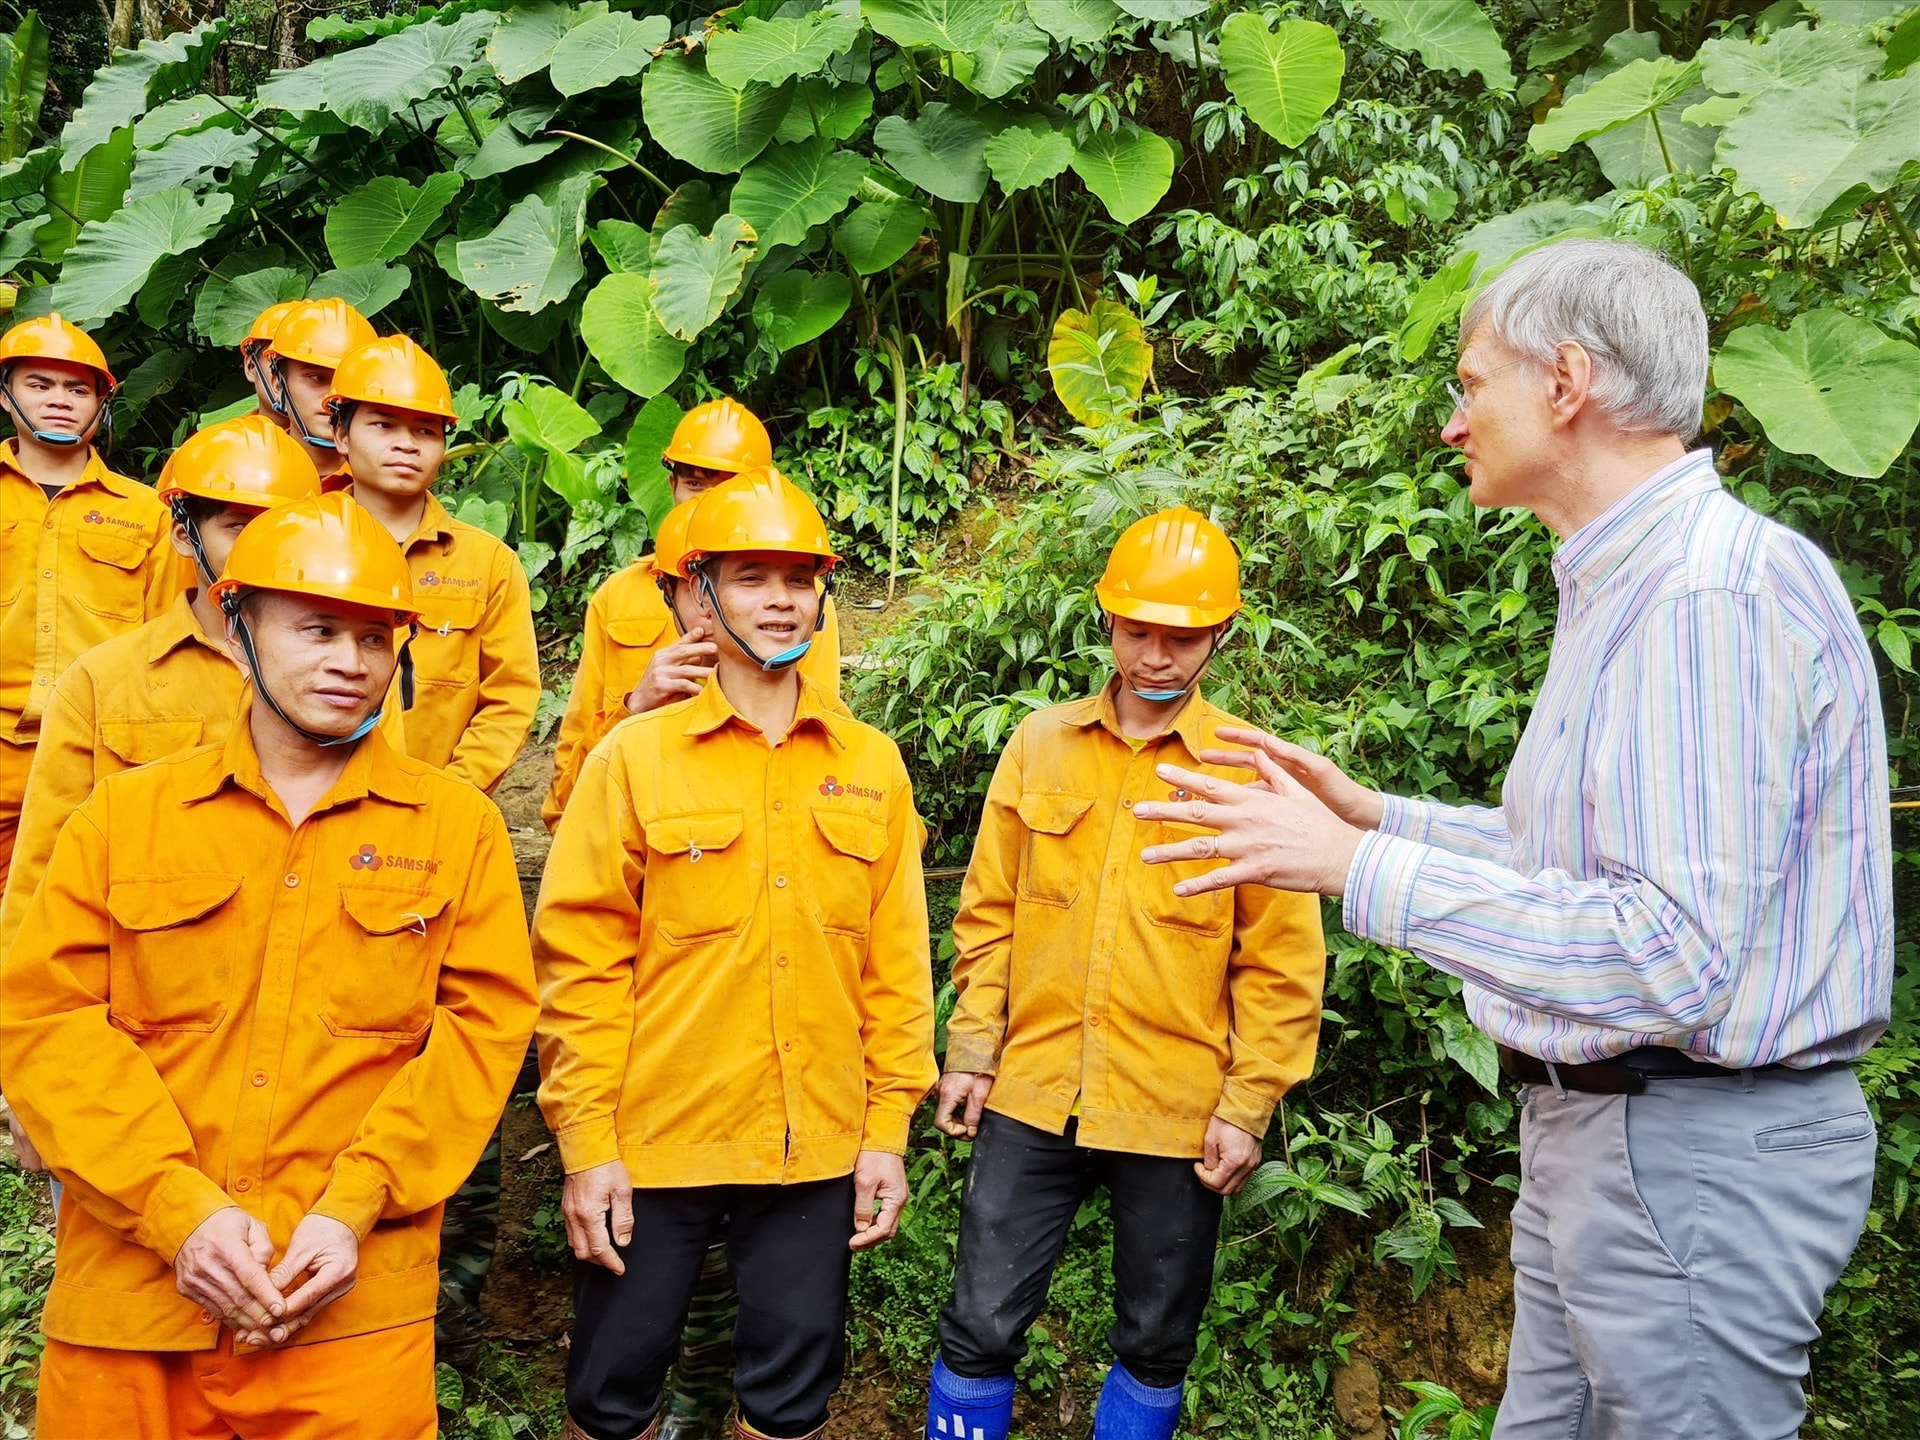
<point>119,551</point>
<point>1053,812</point>
<point>139,742</point>
<point>694,834</point>
<point>163,901</point>
<point>389,912</point>
<point>637,631</point>
<point>860,836</point>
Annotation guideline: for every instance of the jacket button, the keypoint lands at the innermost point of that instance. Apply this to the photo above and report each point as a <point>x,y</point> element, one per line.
<point>780,882</point>
<point>1093,1020</point>
<point>243,1183</point>
<point>206,1317</point>
<point>1126,804</point>
<point>291,881</point>
<point>46,574</point>
<point>259,1078</point>
<point>781,962</point>
<point>778,805</point>
<point>786,1045</point>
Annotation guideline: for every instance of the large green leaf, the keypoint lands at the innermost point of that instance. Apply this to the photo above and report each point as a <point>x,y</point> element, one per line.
<point>180,117</point>
<point>1831,385</point>
<point>523,40</point>
<point>1630,93</point>
<point>545,422</point>
<point>767,52</point>
<point>113,257</point>
<point>505,149</point>
<point>367,87</point>
<point>386,217</point>
<point>1286,79</point>
<point>1099,359</point>
<point>694,275</point>
<point>792,188</point>
<point>1007,58</point>
<point>1027,154</point>
<point>942,150</point>
<point>1130,171</point>
<point>626,247</point>
<point>1800,150</point>
<point>24,87</point>
<point>626,337</point>
<point>368,288</point>
<point>531,259</point>
<point>605,49</point>
<point>958,25</point>
<point>1453,35</point>
<point>1164,12</point>
<point>1506,237</point>
<point>695,204</point>
<point>1075,22</point>
<point>188,161</point>
<point>697,119</point>
<point>122,90</point>
<point>1797,56</point>
<point>824,108</point>
<point>227,305</point>
<point>647,483</point>
<point>1435,303</point>
<point>879,232</point>
<point>796,307</point>
<point>93,190</point>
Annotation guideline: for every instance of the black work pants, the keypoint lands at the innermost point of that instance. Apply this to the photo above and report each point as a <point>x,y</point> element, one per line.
<point>787,1247</point>
<point>1022,1189</point>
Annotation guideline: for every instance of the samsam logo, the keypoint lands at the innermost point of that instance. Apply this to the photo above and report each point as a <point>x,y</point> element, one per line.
<point>432,579</point>
<point>367,859</point>
<point>370,858</point>
<point>832,787</point>
<point>94,517</point>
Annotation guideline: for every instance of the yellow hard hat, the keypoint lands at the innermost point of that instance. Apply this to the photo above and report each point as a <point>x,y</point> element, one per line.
<point>260,335</point>
<point>392,371</point>
<point>720,435</point>
<point>670,545</point>
<point>756,510</point>
<point>248,461</point>
<point>320,332</point>
<point>49,337</point>
<point>327,547</point>
<point>1173,568</point>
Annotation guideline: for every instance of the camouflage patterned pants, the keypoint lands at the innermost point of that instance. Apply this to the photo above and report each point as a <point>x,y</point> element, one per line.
<point>468,1232</point>
<point>701,1396</point>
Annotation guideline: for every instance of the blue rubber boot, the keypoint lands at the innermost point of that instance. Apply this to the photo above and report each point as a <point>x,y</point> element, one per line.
<point>963,1409</point>
<point>1129,1410</point>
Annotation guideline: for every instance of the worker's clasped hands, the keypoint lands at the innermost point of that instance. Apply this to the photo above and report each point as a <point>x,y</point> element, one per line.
<point>227,1268</point>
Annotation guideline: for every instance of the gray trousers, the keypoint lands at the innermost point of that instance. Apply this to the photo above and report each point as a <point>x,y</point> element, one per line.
<point>1672,1251</point>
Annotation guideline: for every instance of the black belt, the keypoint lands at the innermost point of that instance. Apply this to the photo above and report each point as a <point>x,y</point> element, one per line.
<point>1625,1074</point>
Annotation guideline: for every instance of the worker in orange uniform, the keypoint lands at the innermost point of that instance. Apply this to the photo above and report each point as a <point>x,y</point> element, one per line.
<point>1106,1031</point>
<point>262,1014</point>
<point>478,667</point>
<point>308,344</point>
<point>737,1006</point>
<point>84,552</point>
<point>253,361</point>
<point>633,655</point>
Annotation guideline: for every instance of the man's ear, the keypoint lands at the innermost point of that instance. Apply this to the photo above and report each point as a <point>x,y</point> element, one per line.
<point>1571,382</point>
<point>181,544</point>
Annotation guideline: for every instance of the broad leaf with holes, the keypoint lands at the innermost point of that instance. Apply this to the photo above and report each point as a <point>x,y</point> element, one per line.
<point>1099,359</point>
<point>227,305</point>
<point>694,275</point>
<point>187,162</point>
<point>1286,79</point>
<point>1831,385</point>
<point>531,259</point>
<point>387,217</point>
<point>792,188</point>
<point>1453,35</point>
<point>368,288</point>
<point>767,52</point>
<point>607,48</point>
<point>879,233</point>
<point>942,150</point>
<point>796,307</point>
<point>112,258</point>
<point>1630,93</point>
<point>1800,150</point>
<point>1028,153</point>
<point>1130,171</point>
<point>697,119</point>
<point>954,25</point>
<point>624,335</point>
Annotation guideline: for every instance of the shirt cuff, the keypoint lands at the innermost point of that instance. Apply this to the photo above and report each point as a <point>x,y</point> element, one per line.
<point>886,1130</point>
<point>181,1204</point>
<point>972,1054</point>
<point>1246,1107</point>
<point>1380,883</point>
<point>1408,819</point>
<point>590,1143</point>
<point>354,1198</point>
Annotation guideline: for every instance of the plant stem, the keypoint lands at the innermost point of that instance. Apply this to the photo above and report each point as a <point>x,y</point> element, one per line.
<point>892,346</point>
<point>620,155</point>
<point>1661,135</point>
<point>1909,246</point>
<point>298,158</point>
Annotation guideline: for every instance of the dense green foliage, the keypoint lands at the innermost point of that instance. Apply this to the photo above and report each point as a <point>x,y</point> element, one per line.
<point>1069,260</point>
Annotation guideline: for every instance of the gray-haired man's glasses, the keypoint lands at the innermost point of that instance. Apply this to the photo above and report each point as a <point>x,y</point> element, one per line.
<point>1463,392</point>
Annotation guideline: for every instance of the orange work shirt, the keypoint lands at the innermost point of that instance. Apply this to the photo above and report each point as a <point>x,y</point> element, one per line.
<point>1082,977</point>
<point>206,1006</point>
<point>731,940</point>
<point>628,623</point>
<point>93,562</point>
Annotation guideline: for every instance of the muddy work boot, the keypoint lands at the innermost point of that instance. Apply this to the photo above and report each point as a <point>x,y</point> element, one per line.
<point>701,1402</point>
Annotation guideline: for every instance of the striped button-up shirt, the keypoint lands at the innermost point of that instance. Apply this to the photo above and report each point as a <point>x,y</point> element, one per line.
<point>1693,844</point>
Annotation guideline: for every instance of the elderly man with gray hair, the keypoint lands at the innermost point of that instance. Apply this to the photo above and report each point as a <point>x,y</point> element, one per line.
<point>1678,923</point>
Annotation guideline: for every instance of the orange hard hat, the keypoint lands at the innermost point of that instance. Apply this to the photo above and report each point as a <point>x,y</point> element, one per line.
<point>320,332</point>
<point>266,322</point>
<point>670,545</point>
<point>326,546</point>
<point>396,372</point>
<point>1173,568</point>
<point>720,435</point>
<point>755,510</point>
<point>48,337</point>
<point>248,461</point>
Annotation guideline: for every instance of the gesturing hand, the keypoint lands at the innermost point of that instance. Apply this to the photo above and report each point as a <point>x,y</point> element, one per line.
<point>1230,1155</point>
<point>598,1207</point>
<point>1335,789</point>
<point>222,1268</point>
<point>1274,832</point>
<point>327,1252</point>
<point>676,672</point>
<point>878,1179</point>
<point>961,1098</point>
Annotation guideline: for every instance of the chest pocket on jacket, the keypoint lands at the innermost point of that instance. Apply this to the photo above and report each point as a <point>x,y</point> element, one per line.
<point>698,877</point>
<point>635,640</point>
<point>1051,865</point>
<point>385,989</point>
<point>1208,914</point>
<point>447,649</point>
<point>140,742</point>
<point>114,586</point>
<point>170,961</point>
<point>16,558</point>
<point>845,888</point>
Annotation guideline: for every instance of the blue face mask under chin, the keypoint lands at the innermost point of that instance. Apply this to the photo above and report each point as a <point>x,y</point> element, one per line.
<point>1160,697</point>
<point>789,656</point>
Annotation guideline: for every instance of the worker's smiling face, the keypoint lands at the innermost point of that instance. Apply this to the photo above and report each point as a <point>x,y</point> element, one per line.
<point>52,397</point>
<point>394,452</point>
<point>326,663</point>
<point>770,598</point>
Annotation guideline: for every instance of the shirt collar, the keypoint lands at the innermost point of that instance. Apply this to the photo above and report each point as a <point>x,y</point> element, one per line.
<point>177,626</point>
<point>1596,549</point>
<point>371,769</point>
<point>1190,724</point>
<point>711,710</point>
<point>435,522</point>
<point>95,473</point>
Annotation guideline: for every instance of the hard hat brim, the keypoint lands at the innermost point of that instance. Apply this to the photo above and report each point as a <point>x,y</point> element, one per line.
<point>1154,612</point>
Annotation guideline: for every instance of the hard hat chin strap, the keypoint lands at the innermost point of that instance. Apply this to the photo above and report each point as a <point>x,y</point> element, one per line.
<point>793,654</point>
<point>102,418</point>
<point>283,402</point>
<point>666,593</point>
<point>184,519</point>
<point>237,628</point>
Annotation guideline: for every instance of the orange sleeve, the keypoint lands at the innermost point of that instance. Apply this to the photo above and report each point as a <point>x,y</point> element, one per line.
<point>580,730</point>
<point>57,786</point>
<point>509,679</point>
<point>983,928</point>
<point>897,983</point>
<point>421,1138</point>
<point>131,1160</point>
<point>1274,979</point>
